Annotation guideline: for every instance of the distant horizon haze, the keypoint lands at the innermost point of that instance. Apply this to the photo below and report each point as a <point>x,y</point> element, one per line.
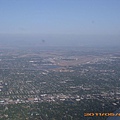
<point>60,22</point>
<point>59,40</point>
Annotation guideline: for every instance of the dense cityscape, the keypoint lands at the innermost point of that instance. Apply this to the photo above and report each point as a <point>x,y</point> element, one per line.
<point>59,59</point>
<point>58,83</point>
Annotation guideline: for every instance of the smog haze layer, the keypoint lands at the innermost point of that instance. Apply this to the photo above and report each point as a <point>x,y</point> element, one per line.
<point>59,23</point>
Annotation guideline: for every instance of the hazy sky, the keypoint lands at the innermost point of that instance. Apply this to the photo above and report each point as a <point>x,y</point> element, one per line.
<point>62,21</point>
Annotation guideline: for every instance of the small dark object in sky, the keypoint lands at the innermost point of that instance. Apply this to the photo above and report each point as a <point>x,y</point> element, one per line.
<point>93,21</point>
<point>43,41</point>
